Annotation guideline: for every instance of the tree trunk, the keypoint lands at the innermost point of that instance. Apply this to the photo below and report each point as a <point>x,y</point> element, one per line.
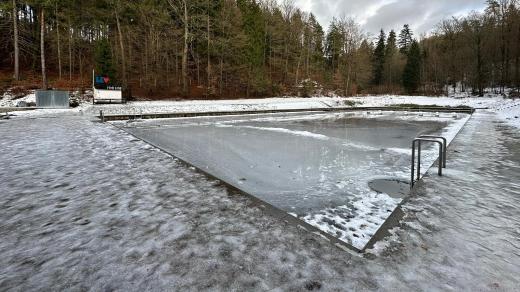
<point>208,88</point>
<point>221,75</point>
<point>42,48</point>
<point>185,51</point>
<point>121,47</point>
<point>16,45</point>
<point>308,58</point>
<point>286,70</point>
<point>503,58</point>
<point>517,61</point>
<point>221,67</point>
<point>479,68</point>
<point>157,67</point>
<point>58,39</point>
<point>145,60</point>
<point>248,81</point>
<point>167,71</point>
<point>80,67</point>
<point>197,63</point>
<point>348,79</point>
<point>70,52</point>
<point>177,70</point>
<point>298,68</point>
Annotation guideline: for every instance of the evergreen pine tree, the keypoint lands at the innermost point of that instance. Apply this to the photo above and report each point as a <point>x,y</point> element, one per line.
<point>392,60</point>
<point>103,59</point>
<point>317,39</point>
<point>405,39</point>
<point>412,70</point>
<point>363,72</point>
<point>333,46</point>
<point>253,27</point>
<point>379,59</point>
<point>391,44</point>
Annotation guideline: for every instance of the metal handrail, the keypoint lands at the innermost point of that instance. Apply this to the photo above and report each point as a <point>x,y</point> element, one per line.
<point>445,146</point>
<point>419,141</point>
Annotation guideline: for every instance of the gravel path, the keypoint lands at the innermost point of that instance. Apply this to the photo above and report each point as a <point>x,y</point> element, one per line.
<point>84,206</point>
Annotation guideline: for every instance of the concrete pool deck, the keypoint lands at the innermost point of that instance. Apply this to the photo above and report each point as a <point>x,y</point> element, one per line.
<point>85,206</point>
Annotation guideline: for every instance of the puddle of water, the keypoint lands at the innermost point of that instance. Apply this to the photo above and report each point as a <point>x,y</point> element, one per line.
<point>394,187</point>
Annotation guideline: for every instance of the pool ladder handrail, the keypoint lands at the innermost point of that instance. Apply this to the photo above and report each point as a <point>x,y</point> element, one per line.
<point>445,146</point>
<point>442,154</point>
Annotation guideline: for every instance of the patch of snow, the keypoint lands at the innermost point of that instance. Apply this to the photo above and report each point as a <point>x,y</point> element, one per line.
<point>288,131</point>
<point>148,107</point>
<point>509,112</point>
<point>8,100</point>
<point>355,224</point>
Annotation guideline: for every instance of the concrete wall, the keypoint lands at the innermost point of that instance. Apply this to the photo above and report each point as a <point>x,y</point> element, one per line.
<point>52,99</point>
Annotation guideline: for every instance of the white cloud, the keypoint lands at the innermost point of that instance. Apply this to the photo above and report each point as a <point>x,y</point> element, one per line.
<point>422,15</point>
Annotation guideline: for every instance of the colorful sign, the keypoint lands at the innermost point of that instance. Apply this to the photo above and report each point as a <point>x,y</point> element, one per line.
<point>101,82</point>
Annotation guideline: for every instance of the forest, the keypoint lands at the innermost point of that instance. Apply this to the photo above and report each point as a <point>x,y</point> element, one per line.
<point>250,48</point>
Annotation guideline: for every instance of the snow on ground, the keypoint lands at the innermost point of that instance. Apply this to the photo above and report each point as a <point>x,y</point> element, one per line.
<point>506,109</point>
<point>509,112</point>
<point>282,130</point>
<point>8,100</point>
<point>144,107</point>
<point>85,206</point>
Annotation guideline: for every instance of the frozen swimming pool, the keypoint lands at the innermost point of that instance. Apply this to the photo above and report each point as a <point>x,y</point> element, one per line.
<point>314,166</point>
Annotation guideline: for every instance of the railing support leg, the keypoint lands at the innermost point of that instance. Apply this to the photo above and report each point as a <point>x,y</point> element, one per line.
<point>419,161</point>
<point>412,180</point>
<point>442,156</point>
<point>441,159</point>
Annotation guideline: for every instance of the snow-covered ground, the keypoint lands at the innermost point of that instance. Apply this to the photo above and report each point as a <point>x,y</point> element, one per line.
<point>8,100</point>
<point>139,107</point>
<point>85,206</point>
<point>506,109</point>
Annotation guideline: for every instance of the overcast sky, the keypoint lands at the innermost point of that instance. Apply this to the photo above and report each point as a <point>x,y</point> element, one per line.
<point>422,15</point>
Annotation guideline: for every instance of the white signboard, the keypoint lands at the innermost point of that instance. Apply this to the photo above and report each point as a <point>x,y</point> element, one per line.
<point>108,96</point>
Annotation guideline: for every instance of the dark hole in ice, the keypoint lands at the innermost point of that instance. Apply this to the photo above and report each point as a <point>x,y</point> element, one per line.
<point>394,187</point>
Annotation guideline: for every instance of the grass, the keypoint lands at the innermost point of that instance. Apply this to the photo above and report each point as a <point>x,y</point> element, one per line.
<point>350,103</point>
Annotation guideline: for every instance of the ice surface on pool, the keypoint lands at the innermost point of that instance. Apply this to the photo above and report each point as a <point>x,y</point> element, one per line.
<point>315,166</point>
